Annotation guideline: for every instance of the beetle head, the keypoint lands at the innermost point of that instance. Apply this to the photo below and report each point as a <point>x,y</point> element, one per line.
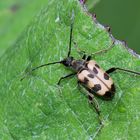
<point>67,61</point>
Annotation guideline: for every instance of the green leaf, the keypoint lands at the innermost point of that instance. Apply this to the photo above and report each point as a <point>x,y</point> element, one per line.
<point>11,23</point>
<point>37,108</point>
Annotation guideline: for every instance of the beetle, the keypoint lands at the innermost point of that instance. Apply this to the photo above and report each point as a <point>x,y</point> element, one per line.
<point>90,75</point>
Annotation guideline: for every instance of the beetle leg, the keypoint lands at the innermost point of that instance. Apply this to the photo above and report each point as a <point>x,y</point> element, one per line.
<point>84,57</point>
<point>81,52</point>
<point>88,58</point>
<point>64,77</point>
<point>111,70</point>
<point>92,101</point>
<point>104,50</point>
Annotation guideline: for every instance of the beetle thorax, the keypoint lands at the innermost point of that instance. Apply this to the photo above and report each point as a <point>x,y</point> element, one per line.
<point>77,65</point>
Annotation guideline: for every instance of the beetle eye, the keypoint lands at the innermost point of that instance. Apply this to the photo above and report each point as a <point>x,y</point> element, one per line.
<point>65,62</point>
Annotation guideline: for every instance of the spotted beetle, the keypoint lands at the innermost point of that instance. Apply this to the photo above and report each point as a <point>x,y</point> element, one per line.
<point>90,75</point>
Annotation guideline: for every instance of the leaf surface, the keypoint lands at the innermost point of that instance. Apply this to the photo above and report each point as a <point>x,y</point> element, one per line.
<point>14,17</point>
<point>37,108</point>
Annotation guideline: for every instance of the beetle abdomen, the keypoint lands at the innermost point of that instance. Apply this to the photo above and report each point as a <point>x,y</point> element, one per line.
<point>97,80</point>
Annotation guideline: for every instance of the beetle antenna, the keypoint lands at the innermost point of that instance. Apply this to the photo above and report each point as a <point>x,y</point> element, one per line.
<point>121,69</point>
<point>41,67</point>
<point>71,28</point>
<point>130,71</point>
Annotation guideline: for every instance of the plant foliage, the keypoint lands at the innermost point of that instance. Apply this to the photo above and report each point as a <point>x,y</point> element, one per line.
<point>37,108</point>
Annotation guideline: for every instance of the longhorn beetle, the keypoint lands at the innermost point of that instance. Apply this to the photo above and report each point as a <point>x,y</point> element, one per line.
<point>90,75</point>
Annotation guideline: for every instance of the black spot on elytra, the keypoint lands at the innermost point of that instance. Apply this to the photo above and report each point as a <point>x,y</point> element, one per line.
<point>110,94</point>
<point>85,81</point>
<point>96,88</point>
<point>106,76</point>
<point>97,65</point>
<point>95,70</point>
<point>90,75</point>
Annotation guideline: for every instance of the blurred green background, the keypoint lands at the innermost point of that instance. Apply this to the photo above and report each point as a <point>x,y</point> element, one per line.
<point>122,16</point>
<point>15,15</point>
